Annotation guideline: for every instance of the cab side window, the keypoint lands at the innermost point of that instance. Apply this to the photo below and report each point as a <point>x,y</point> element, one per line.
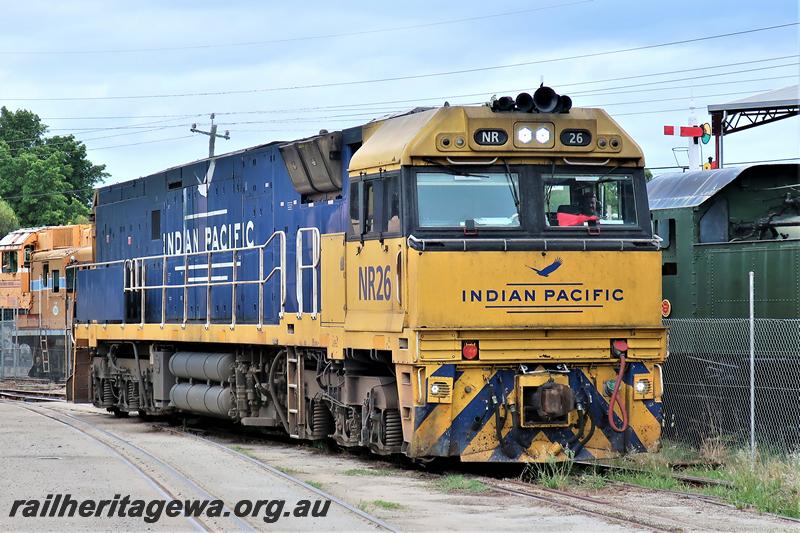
<point>390,222</point>
<point>375,207</point>
<point>10,262</point>
<point>369,207</point>
<point>355,208</point>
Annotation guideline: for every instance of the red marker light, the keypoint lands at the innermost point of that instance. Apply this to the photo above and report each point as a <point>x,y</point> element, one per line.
<point>620,346</point>
<point>470,350</point>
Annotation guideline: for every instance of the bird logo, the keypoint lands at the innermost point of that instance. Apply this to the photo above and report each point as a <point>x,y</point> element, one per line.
<point>549,269</point>
<point>202,184</point>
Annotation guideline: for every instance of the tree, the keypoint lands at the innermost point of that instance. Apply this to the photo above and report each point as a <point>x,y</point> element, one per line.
<point>21,130</point>
<point>46,180</point>
<point>8,219</point>
<point>648,174</point>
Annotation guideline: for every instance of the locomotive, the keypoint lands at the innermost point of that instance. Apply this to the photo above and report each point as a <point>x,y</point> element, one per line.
<point>37,300</point>
<point>477,282</point>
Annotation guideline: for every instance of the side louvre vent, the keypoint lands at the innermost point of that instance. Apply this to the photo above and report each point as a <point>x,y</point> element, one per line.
<point>314,164</point>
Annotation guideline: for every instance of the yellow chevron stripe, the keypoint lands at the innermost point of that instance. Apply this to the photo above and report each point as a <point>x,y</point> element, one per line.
<point>439,421</point>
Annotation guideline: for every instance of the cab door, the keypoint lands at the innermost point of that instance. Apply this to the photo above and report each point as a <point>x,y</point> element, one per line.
<point>374,255</point>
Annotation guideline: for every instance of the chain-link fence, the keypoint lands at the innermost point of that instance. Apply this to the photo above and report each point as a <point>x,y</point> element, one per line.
<point>707,383</point>
<point>15,359</point>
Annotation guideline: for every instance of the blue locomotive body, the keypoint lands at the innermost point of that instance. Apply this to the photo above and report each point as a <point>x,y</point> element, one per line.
<point>235,201</point>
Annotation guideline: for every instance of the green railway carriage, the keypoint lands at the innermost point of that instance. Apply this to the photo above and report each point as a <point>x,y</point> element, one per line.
<point>716,226</point>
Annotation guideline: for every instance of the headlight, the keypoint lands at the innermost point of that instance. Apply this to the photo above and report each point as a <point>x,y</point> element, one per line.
<point>542,135</point>
<point>534,135</point>
<point>435,388</point>
<point>642,386</point>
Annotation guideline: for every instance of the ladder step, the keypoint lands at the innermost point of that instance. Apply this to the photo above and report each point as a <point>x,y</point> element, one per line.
<point>292,385</point>
<point>293,411</point>
<point>294,435</point>
<point>291,360</point>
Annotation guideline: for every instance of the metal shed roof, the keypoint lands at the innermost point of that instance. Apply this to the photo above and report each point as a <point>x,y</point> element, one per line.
<point>16,238</point>
<point>785,97</point>
<point>691,189</point>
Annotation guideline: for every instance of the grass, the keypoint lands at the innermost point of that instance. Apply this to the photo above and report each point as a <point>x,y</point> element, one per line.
<point>460,483</point>
<point>316,484</point>
<point>244,451</point>
<point>369,472</point>
<point>289,470</point>
<point>591,480</point>
<point>368,506</point>
<point>552,474</point>
<point>771,484</point>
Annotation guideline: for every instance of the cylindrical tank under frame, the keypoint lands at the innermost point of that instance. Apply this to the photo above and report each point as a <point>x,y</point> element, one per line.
<point>206,398</point>
<point>201,398</point>
<point>202,365</point>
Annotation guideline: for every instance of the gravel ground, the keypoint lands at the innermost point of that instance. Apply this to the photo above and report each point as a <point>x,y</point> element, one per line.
<point>407,499</point>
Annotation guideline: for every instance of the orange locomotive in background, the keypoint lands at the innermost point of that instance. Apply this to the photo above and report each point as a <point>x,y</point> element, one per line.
<point>37,297</point>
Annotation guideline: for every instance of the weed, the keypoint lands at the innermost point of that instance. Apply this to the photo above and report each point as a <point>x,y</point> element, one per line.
<point>321,445</point>
<point>289,470</point>
<point>460,483</point>
<point>770,484</point>
<point>592,480</point>
<point>369,472</point>
<point>368,506</point>
<point>316,484</point>
<point>552,474</point>
<point>244,451</point>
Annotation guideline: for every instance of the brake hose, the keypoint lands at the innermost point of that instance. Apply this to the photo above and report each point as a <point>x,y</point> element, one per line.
<point>615,398</point>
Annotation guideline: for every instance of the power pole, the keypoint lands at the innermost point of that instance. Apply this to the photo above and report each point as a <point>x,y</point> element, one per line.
<point>212,135</point>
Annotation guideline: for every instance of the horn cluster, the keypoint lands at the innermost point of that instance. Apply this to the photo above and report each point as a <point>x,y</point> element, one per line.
<point>544,100</point>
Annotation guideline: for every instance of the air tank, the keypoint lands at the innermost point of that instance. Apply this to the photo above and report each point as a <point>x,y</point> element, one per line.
<point>201,398</point>
<point>202,365</point>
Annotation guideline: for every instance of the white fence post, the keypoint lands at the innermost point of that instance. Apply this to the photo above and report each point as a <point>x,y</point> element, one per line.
<point>752,373</point>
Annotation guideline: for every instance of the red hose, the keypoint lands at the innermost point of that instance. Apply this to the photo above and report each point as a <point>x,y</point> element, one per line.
<point>615,398</point>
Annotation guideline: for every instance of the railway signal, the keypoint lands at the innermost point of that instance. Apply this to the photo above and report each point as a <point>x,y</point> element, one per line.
<point>696,134</point>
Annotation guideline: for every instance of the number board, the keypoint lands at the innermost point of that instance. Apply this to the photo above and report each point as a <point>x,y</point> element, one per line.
<point>490,137</point>
<point>576,137</point>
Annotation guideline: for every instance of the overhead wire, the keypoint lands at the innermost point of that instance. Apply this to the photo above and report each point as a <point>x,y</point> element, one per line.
<point>299,38</point>
<point>362,105</point>
<point>406,77</point>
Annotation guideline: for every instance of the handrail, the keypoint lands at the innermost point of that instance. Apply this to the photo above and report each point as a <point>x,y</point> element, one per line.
<point>135,278</point>
<point>505,241</point>
<point>300,266</point>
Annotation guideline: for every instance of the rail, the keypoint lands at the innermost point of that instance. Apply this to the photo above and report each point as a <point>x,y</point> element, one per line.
<point>135,277</point>
<point>422,243</point>
<point>315,253</point>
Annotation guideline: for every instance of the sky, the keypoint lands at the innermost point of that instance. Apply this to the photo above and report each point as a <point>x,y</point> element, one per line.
<point>100,69</point>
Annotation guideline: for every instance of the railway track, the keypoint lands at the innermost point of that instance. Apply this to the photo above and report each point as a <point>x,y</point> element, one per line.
<point>173,483</point>
<point>583,504</point>
<point>272,470</point>
<point>574,502</point>
<point>683,478</point>
<point>32,395</point>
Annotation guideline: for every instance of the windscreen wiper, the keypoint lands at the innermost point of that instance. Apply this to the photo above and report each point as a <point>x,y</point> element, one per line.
<point>512,186</point>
